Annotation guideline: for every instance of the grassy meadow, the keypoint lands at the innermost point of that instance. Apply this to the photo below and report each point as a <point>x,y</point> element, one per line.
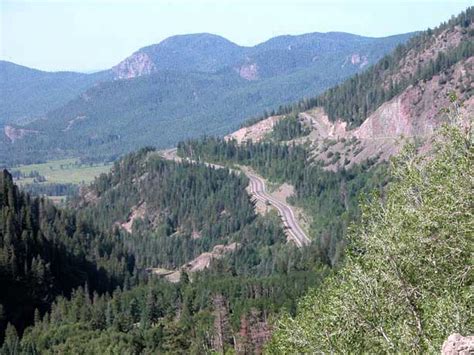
<point>64,171</point>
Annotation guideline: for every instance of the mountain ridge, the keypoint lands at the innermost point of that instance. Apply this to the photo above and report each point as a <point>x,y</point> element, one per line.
<point>154,57</point>
<point>215,92</point>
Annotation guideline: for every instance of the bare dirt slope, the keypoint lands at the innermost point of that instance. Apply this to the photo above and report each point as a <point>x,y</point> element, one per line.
<point>201,262</point>
<point>255,132</point>
<point>413,114</point>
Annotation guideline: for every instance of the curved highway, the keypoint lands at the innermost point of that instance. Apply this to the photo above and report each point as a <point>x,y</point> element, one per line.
<point>292,228</point>
<point>258,190</point>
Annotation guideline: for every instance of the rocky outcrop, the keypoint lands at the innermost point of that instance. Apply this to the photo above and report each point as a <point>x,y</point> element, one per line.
<point>14,134</point>
<point>456,344</point>
<point>137,212</point>
<point>449,38</point>
<point>137,64</point>
<point>248,71</point>
<point>203,261</point>
<point>356,59</point>
<point>416,111</point>
<point>254,132</point>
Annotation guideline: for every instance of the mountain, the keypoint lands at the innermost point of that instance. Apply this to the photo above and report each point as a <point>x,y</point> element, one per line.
<point>280,55</point>
<point>402,96</point>
<point>28,94</point>
<point>199,52</point>
<point>403,287</point>
<point>120,242</point>
<point>188,86</point>
<point>357,124</point>
<point>177,257</point>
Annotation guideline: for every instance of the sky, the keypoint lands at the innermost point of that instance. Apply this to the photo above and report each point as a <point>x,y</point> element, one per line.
<point>89,35</point>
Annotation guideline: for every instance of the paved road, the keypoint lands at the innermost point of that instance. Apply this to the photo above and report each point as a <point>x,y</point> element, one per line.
<point>293,229</point>
<point>258,191</point>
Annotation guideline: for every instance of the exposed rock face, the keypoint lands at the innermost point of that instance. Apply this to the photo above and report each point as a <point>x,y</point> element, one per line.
<point>416,111</point>
<point>203,261</point>
<point>14,134</point>
<point>137,212</point>
<point>357,60</point>
<point>137,64</point>
<point>456,344</point>
<point>322,127</point>
<point>255,132</point>
<point>248,71</point>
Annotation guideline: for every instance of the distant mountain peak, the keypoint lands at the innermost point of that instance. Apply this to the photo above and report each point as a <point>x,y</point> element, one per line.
<point>210,53</point>
<point>203,52</point>
<point>138,64</point>
<point>195,39</point>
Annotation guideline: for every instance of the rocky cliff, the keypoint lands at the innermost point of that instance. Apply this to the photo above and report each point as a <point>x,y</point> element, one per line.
<point>137,64</point>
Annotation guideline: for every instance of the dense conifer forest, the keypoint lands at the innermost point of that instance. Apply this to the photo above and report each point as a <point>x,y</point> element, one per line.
<point>83,276</point>
<point>389,268</point>
<point>46,252</point>
<point>330,198</point>
<point>359,96</point>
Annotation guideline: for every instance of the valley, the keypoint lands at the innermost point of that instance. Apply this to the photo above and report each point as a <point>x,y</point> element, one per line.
<point>183,87</point>
<point>57,179</point>
<point>337,219</point>
<point>257,190</point>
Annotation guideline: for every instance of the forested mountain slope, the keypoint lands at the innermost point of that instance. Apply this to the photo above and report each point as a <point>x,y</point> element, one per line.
<point>146,215</point>
<point>302,147</point>
<point>174,87</point>
<point>209,53</point>
<point>406,285</point>
<point>28,94</point>
<point>431,54</point>
<point>46,252</point>
<point>371,115</point>
<point>164,215</point>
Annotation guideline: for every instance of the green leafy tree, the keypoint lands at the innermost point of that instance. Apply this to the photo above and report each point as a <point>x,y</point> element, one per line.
<point>407,282</point>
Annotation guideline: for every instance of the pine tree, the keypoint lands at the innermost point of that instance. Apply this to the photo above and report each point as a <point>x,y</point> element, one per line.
<point>11,344</point>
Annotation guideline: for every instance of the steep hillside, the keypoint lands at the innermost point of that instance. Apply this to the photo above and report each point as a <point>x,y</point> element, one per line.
<point>430,53</point>
<point>28,94</point>
<point>146,215</point>
<point>406,285</point>
<point>188,86</point>
<point>45,252</point>
<point>400,98</point>
<point>301,147</point>
<point>278,56</point>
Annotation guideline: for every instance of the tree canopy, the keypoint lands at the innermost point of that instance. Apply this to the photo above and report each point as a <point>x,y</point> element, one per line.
<point>407,281</point>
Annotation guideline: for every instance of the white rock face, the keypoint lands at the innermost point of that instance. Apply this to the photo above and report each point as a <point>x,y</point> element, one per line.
<point>456,344</point>
<point>137,64</point>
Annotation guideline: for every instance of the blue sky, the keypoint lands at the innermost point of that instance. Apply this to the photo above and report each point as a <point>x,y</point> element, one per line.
<point>87,35</point>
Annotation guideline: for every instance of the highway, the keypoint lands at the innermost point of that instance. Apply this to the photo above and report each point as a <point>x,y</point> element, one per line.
<point>258,191</point>
<point>292,228</point>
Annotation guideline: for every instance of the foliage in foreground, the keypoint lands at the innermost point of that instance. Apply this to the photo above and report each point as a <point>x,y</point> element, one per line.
<point>407,284</point>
